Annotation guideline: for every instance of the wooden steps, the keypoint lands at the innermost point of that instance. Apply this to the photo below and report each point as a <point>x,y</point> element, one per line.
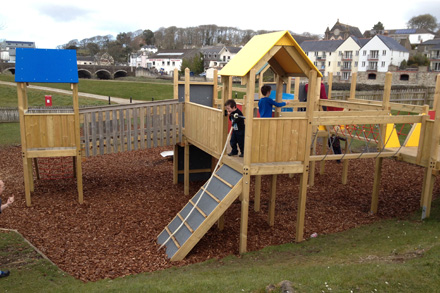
<point>201,212</point>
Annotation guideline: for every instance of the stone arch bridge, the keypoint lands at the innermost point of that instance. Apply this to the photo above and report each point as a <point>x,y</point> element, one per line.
<point>87,71</point>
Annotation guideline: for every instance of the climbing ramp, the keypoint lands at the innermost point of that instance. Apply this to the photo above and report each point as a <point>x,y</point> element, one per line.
<point>201,212</point>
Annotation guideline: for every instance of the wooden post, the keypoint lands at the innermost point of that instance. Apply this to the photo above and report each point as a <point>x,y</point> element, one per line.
<point>330,84</point>
<point>429,178</point>
<point>353,86</point>
<point>176,164</point>
<point>296,90</point>
<point>304,176</point>
<point>215,88</point>
<point>345,165</point>
<point>273,193</point>
<point>22,107</point>
<point>257,193</point>
<point>176,84</point>
<point>250,90</point>
<point>77,143</point>
<point>379,161</point>
<point>186,168</point>
<point>279,94</point>
<point>186,150</point>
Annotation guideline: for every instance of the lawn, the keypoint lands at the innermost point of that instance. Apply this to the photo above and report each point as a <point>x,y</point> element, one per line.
<point>389,256</point>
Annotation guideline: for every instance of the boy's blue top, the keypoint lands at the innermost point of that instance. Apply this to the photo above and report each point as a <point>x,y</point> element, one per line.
<point>265,106</point>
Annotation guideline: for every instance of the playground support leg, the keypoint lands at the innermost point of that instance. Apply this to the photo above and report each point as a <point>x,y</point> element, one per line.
<point>273,193</point>
<point>176,164</point>
<point>312,165</point>
<point>324,151</point>
<point>31,175</point>
<point>79,179</point>
<point>27,178</point>
<point>428,185</point>
<point>244,212</point>
<point>301,207</point>
<point>376,185</point>
<point>186,170</point>
<point>257,193</point>
<point>345,167</point>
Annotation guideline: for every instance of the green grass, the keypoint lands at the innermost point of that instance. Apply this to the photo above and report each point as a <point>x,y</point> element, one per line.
<point>10,134</point>
<point>145,90</point>
<point>389,256</point>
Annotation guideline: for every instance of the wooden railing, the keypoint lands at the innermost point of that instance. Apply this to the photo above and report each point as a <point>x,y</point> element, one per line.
<point>278,139</point>
<point>203,127</point>
<point>119,128</point>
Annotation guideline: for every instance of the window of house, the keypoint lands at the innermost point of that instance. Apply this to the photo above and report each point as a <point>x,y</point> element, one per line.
<point>404,77</point>
<point>371,76</point>
<point>365,52</point>
<point>316,53</point>
<point>356,64</point>
<point>363,63</point>
<point>345,75</point>
<point>174,63</point>
<point>382,64</point>
<point>168,63</point>
<point>163,63</point>
<point>329,63</point>
<point>154,63</point>
<point>384,52</point>
<point>339,63</point>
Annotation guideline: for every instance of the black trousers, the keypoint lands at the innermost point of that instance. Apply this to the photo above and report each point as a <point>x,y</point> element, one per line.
<point>237,138</point>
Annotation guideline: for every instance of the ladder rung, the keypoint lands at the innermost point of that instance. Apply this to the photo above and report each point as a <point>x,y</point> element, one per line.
<point>210,194</point>
<point>172,237</point>
<point>186,224</point>
<point>200,211</point>
<point>224,181</point>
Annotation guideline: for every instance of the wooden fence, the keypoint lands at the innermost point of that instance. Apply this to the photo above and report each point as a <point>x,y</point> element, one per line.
<point>119,128</point>
<point>412,96</point>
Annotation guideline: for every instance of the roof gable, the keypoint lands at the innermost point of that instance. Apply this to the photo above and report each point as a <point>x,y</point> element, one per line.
<point>279,49</point>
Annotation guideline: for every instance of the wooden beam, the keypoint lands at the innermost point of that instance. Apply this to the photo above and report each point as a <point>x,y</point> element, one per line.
<point>273,193</point>
<point>302,64</point>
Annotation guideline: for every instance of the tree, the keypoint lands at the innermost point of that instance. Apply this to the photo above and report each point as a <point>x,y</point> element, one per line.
<point>418,60</point>
<point>426,21</point>
<point>148,37</point>
<point>195,64</point>
<point>378,27</point>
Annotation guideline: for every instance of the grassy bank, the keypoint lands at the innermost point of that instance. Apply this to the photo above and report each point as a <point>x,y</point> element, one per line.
<point>389,256</point>
<point>145,90</point>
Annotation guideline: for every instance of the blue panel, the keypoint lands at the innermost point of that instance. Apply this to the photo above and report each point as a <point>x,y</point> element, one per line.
<point>46,65</point>
<point>285,97</point>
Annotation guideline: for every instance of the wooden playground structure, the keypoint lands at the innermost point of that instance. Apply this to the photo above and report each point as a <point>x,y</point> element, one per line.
<point>284,144</point>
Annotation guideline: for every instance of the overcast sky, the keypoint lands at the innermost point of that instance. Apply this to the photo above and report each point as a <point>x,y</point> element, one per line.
<point>50,23</point>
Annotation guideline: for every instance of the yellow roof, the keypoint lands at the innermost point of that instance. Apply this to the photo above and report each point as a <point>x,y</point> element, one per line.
<point>279,49</point>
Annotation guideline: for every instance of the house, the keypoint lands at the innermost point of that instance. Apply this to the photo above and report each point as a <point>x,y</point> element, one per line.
<point>379,53</point>
<point>7,49</point>
<point>342,31</point>
<point>415,36</point>
<point>85,60</point>
<point>167,60</point>
<point>340,57</point>
<point>217,57</point>
<point>431,49</point>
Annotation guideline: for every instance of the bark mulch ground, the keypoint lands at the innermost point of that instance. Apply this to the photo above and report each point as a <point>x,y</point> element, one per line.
<point>129,198</point>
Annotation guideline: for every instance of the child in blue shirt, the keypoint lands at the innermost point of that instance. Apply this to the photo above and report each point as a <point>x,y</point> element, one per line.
<point>265,105</point>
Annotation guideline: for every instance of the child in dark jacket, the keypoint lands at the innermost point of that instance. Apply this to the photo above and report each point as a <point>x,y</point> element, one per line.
<point>237,136</point>
<point>334,142</point>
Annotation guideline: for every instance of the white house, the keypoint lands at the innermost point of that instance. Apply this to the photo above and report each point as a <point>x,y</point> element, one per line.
<point>7,49</point>
<point>379,53</point>
<point>415,36</point>
<point>167,60</point>
<point>341,57</point>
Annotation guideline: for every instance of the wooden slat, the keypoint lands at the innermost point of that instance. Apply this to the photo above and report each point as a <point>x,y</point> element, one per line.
<point>135,128</point>
<point>115,131</point>
<point>198,209</point>
<point>121,130</point>
<point>210,194</point>
<point>223,180</point>
<point>186,224</point>
<point>128,130</point>
<point>172,237</point>
<point>107,132</point>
